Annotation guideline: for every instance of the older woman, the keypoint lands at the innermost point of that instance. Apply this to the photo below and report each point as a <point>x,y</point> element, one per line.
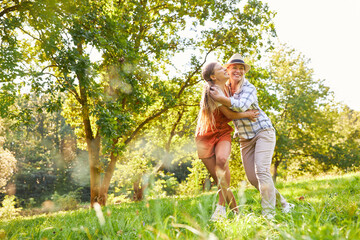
<point>213,135</point>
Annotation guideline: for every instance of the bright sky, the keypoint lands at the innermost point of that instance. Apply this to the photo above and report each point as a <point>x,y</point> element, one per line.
<point>328,33</point>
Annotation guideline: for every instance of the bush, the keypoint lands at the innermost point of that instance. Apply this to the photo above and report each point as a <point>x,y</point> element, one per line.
<point>112,199</point>
<point>8,209</point>
<point>164,185</point>
<point>69,201</point>
<point>196,179</point>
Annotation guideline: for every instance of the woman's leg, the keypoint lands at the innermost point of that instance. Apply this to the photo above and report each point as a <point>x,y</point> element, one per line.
<point>222,153</point>
<point>248,160</point>
<point>210,164</point>
<point>264,151</point>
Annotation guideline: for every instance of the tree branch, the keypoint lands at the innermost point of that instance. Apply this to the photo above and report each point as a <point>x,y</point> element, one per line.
<point>52,65</point>
<point>172,133</point>
<point>15,7</point>
<point>147,120</point>
<point>71,88</point>
<point>159,7</point>
<point>26,32</point>
<point>187,105</point>
<point>141,125</point>
<point>197,69</point>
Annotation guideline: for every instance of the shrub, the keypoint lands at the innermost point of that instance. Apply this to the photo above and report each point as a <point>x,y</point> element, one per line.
<point>67,201</point>
<point>8,209</point>
<point>164,185</point>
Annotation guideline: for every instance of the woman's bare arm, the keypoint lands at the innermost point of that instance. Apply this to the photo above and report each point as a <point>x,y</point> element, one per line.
<point>251,114</point>
<point>218,96</point>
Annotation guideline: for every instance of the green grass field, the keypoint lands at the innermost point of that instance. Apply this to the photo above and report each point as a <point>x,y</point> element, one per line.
<point>329,210</point>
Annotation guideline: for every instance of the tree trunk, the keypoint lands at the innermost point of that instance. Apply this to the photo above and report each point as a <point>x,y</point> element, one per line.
<point>107,178</point>
<point>138,189</point>
<point>93,143</point>
<point>275,172</point>
<point>94,151</point>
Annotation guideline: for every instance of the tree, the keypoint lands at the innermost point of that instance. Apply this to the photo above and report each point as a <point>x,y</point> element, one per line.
<point>7,161</point>
<point>112,100</point>
<point>341,149</point>
<point>299,117</point>
<point>45,149</point>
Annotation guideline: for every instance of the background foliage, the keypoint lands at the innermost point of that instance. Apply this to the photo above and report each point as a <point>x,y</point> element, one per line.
<point>93,97</point>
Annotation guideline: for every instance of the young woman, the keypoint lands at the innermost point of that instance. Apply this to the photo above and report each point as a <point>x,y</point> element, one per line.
<point>213,135</point>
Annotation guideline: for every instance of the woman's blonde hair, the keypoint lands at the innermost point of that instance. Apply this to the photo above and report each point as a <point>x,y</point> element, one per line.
<point>206,120</point>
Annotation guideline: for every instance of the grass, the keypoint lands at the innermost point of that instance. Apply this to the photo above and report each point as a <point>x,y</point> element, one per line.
<point>330,210</point>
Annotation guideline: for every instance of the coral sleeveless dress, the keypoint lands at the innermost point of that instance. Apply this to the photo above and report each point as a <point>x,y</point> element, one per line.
<point>206,143</point>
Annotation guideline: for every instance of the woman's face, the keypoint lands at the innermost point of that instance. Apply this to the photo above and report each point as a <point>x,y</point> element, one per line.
<point>236,72</point>
<point>220,74</point>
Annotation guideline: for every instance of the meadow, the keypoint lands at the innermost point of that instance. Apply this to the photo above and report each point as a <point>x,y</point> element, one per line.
<point>326,207</point>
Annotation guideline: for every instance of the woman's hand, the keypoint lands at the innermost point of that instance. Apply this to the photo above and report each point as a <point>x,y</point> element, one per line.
<point>216,93</point>
<point>253,114</point>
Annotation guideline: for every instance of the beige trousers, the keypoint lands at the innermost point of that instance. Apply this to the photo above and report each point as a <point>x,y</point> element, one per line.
<point>257,155</point>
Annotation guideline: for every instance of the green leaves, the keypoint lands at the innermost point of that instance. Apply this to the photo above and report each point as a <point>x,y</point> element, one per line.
<point>306,118</point>
<point>132,36</point>
<point>113,60</point>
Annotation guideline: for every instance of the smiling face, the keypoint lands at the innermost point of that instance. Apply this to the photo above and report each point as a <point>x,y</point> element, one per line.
<point>236,72</point>
<point>219,74</point>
